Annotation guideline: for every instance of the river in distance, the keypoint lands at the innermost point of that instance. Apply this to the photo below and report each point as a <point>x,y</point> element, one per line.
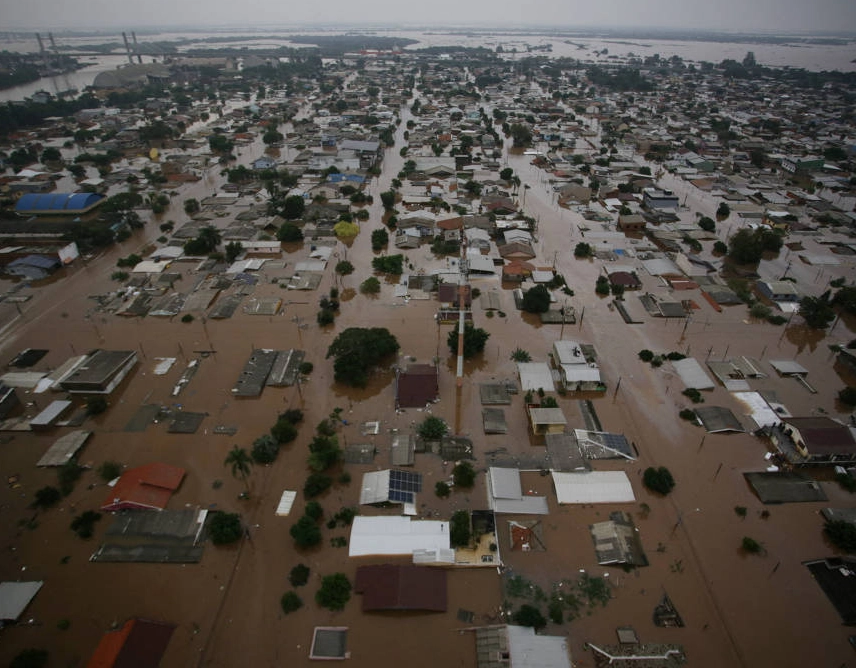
<point>799,53</point>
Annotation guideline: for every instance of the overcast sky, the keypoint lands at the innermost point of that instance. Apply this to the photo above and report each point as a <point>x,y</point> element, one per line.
<point>732,15</point>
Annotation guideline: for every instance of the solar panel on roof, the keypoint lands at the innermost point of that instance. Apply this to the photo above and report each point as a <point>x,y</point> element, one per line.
<point>403,485</point>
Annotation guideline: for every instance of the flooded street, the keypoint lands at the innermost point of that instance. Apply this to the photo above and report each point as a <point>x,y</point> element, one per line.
<point>738,609</point>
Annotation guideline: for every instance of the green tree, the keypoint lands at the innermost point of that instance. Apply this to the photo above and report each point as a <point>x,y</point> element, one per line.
<point>344,268</point>
<point>842,534</point>
<point>521,134</point>
<point>46,497</point>
<point>380,238</point>
<point>707,224</point>
<point>324,453</point>
<point>536,300</point>
<point>751,545</point>
<point>658,480</point>
<point>582,250</point>
<point>305,532</point>
<point>209,236</point>
<point>370,286</point>
<point>432,428</point>
<point>520,355</point>
<point>475,339</point>
<point>109,470</point>
<point>464,475</point>
<point>529,615</point>
<point>357,350</point>
<point>232,250</point>
<point>506,174</point>
<point>845,298</point>
<point>389,264</point>
<point>847,396</point>
<point>442,489</point>
<point>51,154</point>
<point>289,232</point>
<point>299,575</point>
<point>723,211</point>
<point>747,246</point>
<point>293,207</point>
<point>290,602</point>
<point>387,198</point>
<point>335,592</point>
<point>265,449</point>
<point>817,311</point>
<point>316,484</point>
<point>225,528</point>
<point>459,529</point>
<point>191,206</point>
<point>84,524</point>
<point>239,461</point>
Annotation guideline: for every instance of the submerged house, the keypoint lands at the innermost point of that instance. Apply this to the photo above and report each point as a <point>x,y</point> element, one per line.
<point>577,366</point>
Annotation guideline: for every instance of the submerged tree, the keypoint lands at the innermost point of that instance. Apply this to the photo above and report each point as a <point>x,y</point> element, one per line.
<point>240,462</point>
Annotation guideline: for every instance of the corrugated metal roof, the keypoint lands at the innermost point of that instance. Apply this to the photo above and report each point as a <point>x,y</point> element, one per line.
<point>60,202</point>
<point>504,483</point>
<point>692,374</point>
<point>593,487</point>
<point>396,535</point>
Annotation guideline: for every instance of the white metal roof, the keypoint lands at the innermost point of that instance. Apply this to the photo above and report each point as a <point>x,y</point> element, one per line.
<point>593,487</point>
<point>660,266</point>
<point>535,376</point>
<point>581,372</point>
<point>15,597</point>
<point>784,367</point>
<point>692,374</point>
<point>51,413</point>
<point>759,409</point>
<point>375,488</point>
<point>286,501</point>
<point>396,535</point>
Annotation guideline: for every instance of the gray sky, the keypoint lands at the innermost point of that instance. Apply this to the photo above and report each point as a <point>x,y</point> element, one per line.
<point>732,15</point>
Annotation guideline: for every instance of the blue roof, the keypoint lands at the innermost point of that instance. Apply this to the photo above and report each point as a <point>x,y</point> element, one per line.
<point>339,177</point>
<point>40,261</point>
<point>59,202</point>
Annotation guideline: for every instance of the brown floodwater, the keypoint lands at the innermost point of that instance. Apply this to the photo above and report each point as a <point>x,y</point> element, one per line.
<point>739,610</point>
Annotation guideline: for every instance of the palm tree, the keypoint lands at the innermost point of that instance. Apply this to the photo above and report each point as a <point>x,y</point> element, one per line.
<point>210,235</point>
<point>240,461</point>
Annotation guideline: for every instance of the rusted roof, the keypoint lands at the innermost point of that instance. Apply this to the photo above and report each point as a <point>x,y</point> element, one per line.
<point>139,643</point>
<point>149,486</point>
<point>401,587</point>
